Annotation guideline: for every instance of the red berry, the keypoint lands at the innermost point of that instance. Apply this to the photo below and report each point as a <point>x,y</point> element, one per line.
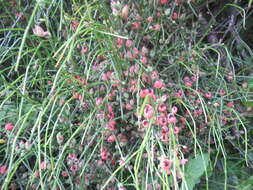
<point>9,126</point>
<point>163,1</point>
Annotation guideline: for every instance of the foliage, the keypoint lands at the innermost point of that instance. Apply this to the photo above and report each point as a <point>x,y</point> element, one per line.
<point>148,94</point>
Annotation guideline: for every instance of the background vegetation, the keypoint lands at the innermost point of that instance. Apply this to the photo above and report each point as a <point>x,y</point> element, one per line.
<point>147,94</point>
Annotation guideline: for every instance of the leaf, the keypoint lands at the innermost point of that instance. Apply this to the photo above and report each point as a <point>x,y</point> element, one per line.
<point>194,170</point>
<point>247,184</point>
<point>167,12</point>
<point>248,103</point>
<point>2,141</point>
<point>250,2</point>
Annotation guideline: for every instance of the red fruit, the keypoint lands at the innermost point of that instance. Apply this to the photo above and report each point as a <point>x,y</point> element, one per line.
<point>112,125</point>
<point>3,169</point>
<point>119,42</point>
<point>144,123</point>
<point>171,118</point>
<point>162,107</point>
<point>163,1</point>
<point>129,43</point>
<point>174,16</point>
<point>148,111</point>
<point>230,104</point>
<point>144,60</point>
<point>111,139</point>
<point>158,84</point>
<point>157,27</point>
<point>174,110</point>
<point>162,120</point>
<point>9,126</point>
<point>208,95</point>
<point>64,173</point>
<point>103,154</point>
<point>150,19</point>
<point>136,26</point>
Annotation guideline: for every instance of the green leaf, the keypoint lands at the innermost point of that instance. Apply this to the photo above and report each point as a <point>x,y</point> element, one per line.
<point>194,170</point>
<point>250,84</point>
<point>248,103</point>
<point>250,2</point>
<point>247,185</point>
<point>167,12</point>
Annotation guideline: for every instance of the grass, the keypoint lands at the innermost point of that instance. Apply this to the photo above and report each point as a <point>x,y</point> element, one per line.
<point>78,98</point>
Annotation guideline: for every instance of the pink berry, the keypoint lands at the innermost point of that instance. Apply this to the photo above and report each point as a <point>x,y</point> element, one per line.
<point>162,120</point>
<point>171,118</point>
<point>129,43</point>
<point>144,123</point>
<point>111,139</point>
<point>49,82</point>
<point>165,164</point>
<point>150,19</point>
<point>9,126</point>
<point>148,111</point>
<point>3,169</point>
<point>64,173</point>
<point>104,154</point>
<point>135,52</point>
<point>230,104</point>
<point>43,165</point>
<point>174,109</point>
<point>177,130</point>
<point>222,92</point>
<point>99,101</point>
<point>174,16</point>
<point>157,27</point>
<point>208,95</point>
<point>183,161</point>
<point>188,83</point>
<point>129,106</point>
<point>84,50</point>
<point>119,42</point>
<point>162,107</point>
<point>163,1</point>
<point>136,26</point>
<point>112,125</point>
<point>158,84</point>
<point>74,169</point>
<point>110,109</point>
<point>144,60</point>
